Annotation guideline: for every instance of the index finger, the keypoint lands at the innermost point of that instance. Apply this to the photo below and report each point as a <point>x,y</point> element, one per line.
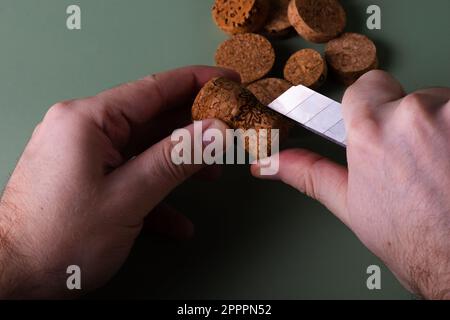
<point>141,100</point>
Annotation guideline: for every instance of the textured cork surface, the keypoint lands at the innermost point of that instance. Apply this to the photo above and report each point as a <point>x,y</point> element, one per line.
<point>278,24</point>
<point>230,102</point>
<point>306,67</point>
<point>249,54</point>
<point>269,89</point>
<point>317,20</point>
<point>240,16</point>
<point>350,56</point>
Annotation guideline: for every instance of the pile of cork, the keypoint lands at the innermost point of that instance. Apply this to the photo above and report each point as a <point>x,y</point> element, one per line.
<point>347,55</point>
<point>251,23</point>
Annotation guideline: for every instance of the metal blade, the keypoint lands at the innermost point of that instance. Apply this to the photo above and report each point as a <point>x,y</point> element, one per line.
<point>313,111</point>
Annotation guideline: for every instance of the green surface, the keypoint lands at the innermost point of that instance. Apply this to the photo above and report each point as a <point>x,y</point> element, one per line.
<point>254,239</point>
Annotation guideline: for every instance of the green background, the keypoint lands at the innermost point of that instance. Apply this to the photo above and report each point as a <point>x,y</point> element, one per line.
<point>253,239</point>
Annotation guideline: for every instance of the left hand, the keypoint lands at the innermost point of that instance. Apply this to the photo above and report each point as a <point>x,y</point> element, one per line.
<point>77,195</point>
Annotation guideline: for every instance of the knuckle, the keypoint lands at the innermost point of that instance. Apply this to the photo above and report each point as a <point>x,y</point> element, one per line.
<point>446,109</point>
<point>373,76</point>
<point>69,108</point>
<point>59,109</point>
<point>309,179</point>
<point>172,171</point>
<point>62,105</point>
<point>413,108</point>
<point>363,129</point>
<point>351,94</point>
<point>378,75</point>
<point>36,129</point>
<point>354,97</point>
<point>309,185</point>
<point>414,100</point>
<point>364,136</point>
<point>415,118</point>
<point>159,95</point>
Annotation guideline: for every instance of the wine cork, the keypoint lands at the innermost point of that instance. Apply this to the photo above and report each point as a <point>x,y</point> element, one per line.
<point>350,56</point>
<point>269,89</point>
<point>249,54</point>
<point>278,24</point>
<point>228,101</point>
<point>240,16</point>
<point>306,67</point>
<point>317,21</point>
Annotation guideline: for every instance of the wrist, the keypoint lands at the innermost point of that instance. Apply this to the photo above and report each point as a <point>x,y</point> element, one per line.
<point>8,272</point>
<point>432,283</point>
<point>437,290</point>
<point>24,273</point>
<point>13,270</point>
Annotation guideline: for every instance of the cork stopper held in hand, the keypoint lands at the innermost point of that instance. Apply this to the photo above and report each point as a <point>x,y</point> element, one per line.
<point>230,102</point>
<point>306,67</point>
<point>249,54</point>
<point>350,56</point>
<point>317,21</point>
<point>240,16</point>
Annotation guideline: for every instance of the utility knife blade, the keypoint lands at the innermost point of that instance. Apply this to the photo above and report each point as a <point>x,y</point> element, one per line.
<point>313,111</point>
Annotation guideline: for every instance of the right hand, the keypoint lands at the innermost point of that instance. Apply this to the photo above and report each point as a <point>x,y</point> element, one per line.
<point>395,194</point>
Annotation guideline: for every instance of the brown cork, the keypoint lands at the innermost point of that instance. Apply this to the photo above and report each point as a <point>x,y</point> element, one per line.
<point>269,89</point>
<point>240,16</point>
<point>278,24</point>
<point>228,101</point>
<point>306,67</point>
<point>350,56</point>
<point>317,21</point>
<point>249,54</point>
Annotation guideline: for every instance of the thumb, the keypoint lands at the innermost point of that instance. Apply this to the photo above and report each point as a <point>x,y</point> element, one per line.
<point>314,175</point>
<point>145,181</point>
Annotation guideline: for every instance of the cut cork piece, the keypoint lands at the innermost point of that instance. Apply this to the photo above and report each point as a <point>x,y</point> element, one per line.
<point>306,67</point>
<point>317,21</point>
<point>228,101</point>
<point>240,16</point>
<point>249,54</point>
<point>269,89</point>
<point>350,56</point>
<point>278,24</point>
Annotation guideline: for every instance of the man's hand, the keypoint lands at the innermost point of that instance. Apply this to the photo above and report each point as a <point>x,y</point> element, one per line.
<point>395,194</point>
<point>93,170</point>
